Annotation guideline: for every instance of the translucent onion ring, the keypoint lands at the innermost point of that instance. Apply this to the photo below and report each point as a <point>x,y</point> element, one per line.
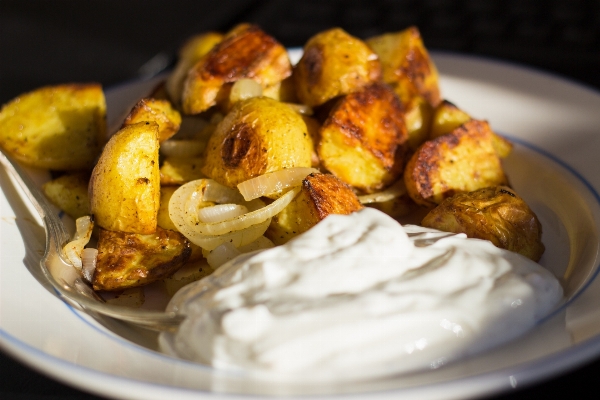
<point>183,211</point>
<point>396,190</point>
<point>238,238</point>
<point>273,182</point>
<point>74,248</point>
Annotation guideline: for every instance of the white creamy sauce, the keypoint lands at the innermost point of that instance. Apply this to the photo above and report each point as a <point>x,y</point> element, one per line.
<point>360,296</point>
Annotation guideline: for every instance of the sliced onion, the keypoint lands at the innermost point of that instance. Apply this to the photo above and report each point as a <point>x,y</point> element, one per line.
<point>272,182</point>
<point>89,258</point>
<point>238,238</point>
<point>221,212</point>
<point>262,243</point>
<point>214,191</point>
<point>83,233</point>
<point>221,254</point>
<point>302,109</point>
<point>244,89</point>
<point>227,251</point>
<point>182,148</point>
<point>185,216</point>
<point>396,190</point>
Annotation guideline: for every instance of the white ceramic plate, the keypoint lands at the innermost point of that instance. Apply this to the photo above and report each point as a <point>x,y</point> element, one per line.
<point>553,124</point>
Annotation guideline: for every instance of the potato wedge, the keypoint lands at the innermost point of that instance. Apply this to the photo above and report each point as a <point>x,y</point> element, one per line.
<point>364,140</point>
<point>259,135</point>
<point>334,63</point>
<point>69,193</point>
<point>406,65</point>
<point>59,127</point>
<point>190,53</point>
<point>128,260</point>
<point>245,52</point>
<point>496,214</point>
<point>461,161</point>
<point>124,189</point>
<point>159,111</point>
<point>321,195</point>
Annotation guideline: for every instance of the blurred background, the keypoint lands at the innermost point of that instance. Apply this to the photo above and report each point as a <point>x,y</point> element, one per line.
<point>110,41</point>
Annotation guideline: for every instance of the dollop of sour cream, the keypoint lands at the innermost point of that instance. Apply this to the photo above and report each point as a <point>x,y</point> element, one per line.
<point>359,296</point>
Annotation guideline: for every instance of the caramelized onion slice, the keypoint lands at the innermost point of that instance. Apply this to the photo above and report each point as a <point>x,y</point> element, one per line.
<point>273,182</point>
<point>396,190</point>
<point>83,233</point>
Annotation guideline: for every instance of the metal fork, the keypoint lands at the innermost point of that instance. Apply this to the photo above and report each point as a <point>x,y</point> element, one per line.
<point>66,280</point>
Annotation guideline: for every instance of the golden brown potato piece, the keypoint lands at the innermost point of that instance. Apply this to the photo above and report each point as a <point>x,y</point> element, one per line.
<point>446,118</point>
<point>59,127</point>
<point>259,135</point>
<point>159,111</point>
<point>321,195</point>
<point>334,63</point>
<point>364,140</point>
<point>245,52</point>
<point>418,115</point>
<point>406,65</point>
<point>69,193</point>
<point>124,189</point>
<point>190,53</point>
<point>128,260</point>
<point>461,161</point>
<point>496,214</point>
<point>177,171</point>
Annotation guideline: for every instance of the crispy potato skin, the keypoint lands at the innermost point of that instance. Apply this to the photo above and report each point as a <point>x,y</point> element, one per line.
<point>321,195</point>
<point>124,188</point>
<point>245,52</point>
<point>190,53</point>
<point>128,260</point>
<point>496,214</point>
<point>60,127</point>
<point>334,63</point>
<point>364,140</point>
<point>159,111</point>
<point>69,193</point>
<point>259,135</point>
<point>406,65</point>
<point>461,161</point>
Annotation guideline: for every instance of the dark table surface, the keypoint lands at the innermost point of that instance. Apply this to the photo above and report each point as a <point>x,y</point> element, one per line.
<point>48,42</point>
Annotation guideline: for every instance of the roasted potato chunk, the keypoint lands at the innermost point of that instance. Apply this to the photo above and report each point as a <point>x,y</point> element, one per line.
<point>320,195</point>
<point>69,193</point>
<point>406,65</point>
<point>124,189</point>
<point>496,214</point>
<point>177,171</point>
<point>190,53</point>
<point>334,63</point>
<point>418,115</point>
<point>446,118</point>
<point>461,161</point>
<point>364,140</point>
<point>259,135</point>
<point>159,111</point>
<point>59,127</point>
<point>128,260</point>
<point>245,52</point>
